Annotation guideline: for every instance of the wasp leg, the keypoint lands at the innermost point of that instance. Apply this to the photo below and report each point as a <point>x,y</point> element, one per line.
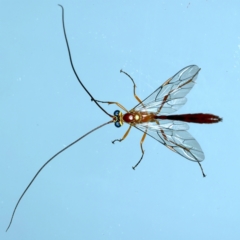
<point>141,142</point>
<point>134,87</point>
<point>204,175</point>
<point>118,104</point>
<point>184,148</point>
<point>124,136</point>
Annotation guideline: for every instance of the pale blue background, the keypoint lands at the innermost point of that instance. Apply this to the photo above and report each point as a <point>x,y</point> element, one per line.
<point>90,191</point>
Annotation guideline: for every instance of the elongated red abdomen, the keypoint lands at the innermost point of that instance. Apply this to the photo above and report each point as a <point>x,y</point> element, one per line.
<point>192,118</point>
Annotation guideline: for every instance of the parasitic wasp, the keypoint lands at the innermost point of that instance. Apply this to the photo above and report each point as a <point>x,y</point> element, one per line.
<point>151,116</point>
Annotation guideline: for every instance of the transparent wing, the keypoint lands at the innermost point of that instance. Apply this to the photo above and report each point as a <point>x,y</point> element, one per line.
<point>169,97</point>
<point>174,136</point>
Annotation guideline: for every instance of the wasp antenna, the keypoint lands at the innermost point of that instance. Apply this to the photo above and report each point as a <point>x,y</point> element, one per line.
<point>71,62</point>
<point>44,165</point>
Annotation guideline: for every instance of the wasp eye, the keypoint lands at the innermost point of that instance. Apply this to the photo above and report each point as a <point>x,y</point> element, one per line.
<point>116,113</point>
<point>117,124</point>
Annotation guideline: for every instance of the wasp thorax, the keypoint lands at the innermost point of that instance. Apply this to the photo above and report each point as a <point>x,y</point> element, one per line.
<point>131,117</point>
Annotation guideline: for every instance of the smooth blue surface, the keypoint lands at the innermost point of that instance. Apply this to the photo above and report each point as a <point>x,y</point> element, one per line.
<point>90,191</point>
